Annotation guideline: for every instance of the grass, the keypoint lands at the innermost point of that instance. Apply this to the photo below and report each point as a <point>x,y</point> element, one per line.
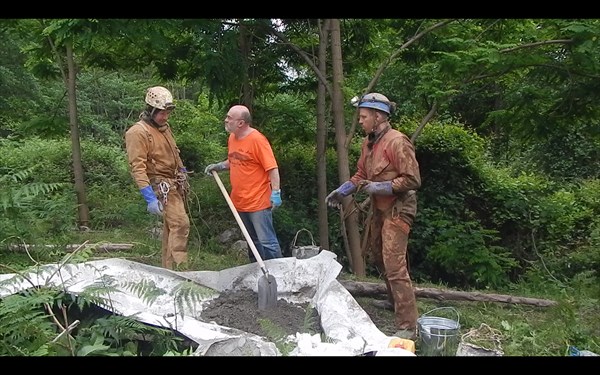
<point>516,329</point>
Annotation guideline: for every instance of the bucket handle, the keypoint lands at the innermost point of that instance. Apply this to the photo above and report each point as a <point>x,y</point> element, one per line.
<point>445,308</point>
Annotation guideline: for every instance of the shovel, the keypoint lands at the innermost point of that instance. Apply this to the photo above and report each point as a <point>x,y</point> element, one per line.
<point>267,286</point>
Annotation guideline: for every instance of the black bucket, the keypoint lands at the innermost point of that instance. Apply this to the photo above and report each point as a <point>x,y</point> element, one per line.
<point>438,336</point>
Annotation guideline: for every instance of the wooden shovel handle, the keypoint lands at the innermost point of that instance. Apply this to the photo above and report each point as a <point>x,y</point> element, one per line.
<point>240,222</point>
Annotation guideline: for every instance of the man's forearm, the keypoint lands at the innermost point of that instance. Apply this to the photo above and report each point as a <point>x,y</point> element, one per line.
<point>274,176</point>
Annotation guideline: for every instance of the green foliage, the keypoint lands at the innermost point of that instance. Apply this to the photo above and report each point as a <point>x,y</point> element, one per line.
<point>200,135</point>
<point>568,231</point>
<point>467,254</point>
<point>52,158</point>
<point>30,330</point>
<point>23,201</point>
<point>189,294</point>
<point>284,119</point>
<point>278,335</point>
<point>147,290</point>
<point>108,103</point>
<point>45,127</point>
<point>112,197</point>
<point>560,156</point>
<point>26,329</point>
<point>21,91</point>
<point>450,240</point>
<point>114,335</point>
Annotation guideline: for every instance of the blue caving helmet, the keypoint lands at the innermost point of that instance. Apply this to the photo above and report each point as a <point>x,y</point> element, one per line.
<point>377,101</point>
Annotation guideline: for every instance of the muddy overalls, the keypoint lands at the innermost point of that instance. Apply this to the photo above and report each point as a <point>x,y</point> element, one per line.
<point>392,158</point>
<point>154,160</point>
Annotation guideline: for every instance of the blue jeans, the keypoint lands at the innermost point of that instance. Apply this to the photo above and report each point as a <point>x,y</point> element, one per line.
<point>259,225</point>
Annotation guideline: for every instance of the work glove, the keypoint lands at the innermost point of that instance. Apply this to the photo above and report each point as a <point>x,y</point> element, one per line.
<point>275,198</point>
<point>155,207</point>
<point>214,167</point>
<point>334,199</point>
<point>380,188</point>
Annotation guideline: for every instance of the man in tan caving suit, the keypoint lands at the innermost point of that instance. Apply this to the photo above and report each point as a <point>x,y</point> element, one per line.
<point>387,169</point>
<point>158,172</point>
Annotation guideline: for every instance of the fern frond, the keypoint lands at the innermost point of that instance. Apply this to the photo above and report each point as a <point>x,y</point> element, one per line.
<point>98,293</point>
<point>189,294</point>
<point>311,322</point>
<point>146,290</point>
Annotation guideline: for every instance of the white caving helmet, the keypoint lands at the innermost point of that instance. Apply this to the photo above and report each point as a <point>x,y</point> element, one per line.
<point>374,100</point>
<point>159,97</point>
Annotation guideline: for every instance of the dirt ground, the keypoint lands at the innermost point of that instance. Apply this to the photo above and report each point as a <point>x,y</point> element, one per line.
<point>239,309</point>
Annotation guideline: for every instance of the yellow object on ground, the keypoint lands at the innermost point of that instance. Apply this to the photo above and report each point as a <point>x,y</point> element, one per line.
<point>405,344</point>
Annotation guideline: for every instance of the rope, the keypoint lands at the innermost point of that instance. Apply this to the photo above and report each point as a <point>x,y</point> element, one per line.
<point>485,337</point>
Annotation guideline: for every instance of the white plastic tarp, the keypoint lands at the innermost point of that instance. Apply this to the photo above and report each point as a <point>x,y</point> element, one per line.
<point>348,328</point>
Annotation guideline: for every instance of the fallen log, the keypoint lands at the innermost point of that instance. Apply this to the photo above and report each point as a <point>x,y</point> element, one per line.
<point>73,247</point>
<point>374,290</point>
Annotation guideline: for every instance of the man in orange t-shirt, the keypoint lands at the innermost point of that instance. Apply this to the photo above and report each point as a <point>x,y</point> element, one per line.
<point>254,177</point>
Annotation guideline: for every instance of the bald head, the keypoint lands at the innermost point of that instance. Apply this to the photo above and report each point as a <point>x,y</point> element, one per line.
<point>238,121</point>
<point>241,112</point>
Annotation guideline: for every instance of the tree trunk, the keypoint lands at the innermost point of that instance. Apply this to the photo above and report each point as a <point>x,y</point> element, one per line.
<point>322,138</point>
<point>82,206</point>
<point>247,94</point>
<point>356,260</point>
<point>374,290</point>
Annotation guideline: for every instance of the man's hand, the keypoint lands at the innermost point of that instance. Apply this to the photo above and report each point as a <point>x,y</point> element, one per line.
<point>275,198</point>
<point>155,207</point>
<point>334,199</point>
<point>217,167</point>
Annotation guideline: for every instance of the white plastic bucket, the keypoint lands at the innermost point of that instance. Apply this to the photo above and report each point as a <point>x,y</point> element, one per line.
<point>438,336</point>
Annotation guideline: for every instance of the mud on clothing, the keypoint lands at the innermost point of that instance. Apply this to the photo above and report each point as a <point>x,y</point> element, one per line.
<point>392,158</point>
<point>154,158</point>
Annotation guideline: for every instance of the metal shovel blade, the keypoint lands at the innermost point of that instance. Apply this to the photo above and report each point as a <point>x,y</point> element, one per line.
<point>267,292</point>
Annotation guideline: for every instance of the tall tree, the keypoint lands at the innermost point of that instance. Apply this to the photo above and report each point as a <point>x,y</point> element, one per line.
<point>350,216</point>
<point>322,135</point>
<point>59,36</point>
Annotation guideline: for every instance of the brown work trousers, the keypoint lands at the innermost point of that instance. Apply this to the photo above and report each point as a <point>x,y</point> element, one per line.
<point>176,229</point>
<point>389,240</point>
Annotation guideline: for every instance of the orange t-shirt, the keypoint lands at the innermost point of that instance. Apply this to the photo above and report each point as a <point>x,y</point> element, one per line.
<point>250,160</point>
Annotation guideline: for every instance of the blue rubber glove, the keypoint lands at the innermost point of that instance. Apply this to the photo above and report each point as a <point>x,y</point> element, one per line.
<point>275,198</point>
<point>155,207</point>
<point>214,167</point>
<point>334,199</point>
<point>380,188</point>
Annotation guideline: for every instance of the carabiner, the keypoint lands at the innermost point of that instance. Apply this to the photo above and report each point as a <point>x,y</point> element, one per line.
<point>164,188</point>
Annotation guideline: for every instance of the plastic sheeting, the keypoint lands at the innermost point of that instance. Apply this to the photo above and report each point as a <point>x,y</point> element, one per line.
<point>153,295</point>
